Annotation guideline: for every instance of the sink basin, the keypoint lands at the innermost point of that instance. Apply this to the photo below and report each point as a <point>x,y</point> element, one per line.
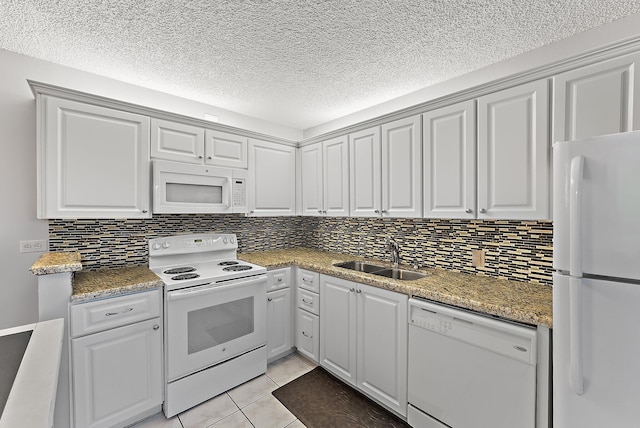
<point>401,274</point>
<point>360,266</point>
<point>394,273</point>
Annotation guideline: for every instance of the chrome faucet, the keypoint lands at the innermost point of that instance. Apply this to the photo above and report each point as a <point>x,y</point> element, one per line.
<point>395,251</point>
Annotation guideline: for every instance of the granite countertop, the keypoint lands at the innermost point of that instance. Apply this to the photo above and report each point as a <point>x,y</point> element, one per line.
<point>525,302</point>
<point>99,284</point>
<point>50,263</point>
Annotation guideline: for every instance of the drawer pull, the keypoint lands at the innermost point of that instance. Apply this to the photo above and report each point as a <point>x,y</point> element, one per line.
<point>109,314</point>
<point>308,303</point>
<point>306,335</point>
<point>310,281</point>
<point>279,279</point>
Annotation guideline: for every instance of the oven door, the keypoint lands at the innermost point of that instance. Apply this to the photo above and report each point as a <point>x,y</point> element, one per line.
<point>211,323</point>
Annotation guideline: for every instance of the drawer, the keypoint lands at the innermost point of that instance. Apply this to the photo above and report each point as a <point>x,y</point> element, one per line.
<point>309,301</point>
<point>105,314</point>
<point>279,278</point>
<point>308,280</point>
<point>308,334</point>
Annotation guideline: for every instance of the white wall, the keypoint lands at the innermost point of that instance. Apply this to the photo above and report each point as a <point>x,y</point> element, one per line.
<point>18,291</point>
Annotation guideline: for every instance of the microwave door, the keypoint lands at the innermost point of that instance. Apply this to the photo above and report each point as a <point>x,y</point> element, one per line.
<point>186,192</point>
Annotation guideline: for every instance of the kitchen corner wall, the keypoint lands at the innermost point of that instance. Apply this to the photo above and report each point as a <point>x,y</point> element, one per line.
<point>515,250</point>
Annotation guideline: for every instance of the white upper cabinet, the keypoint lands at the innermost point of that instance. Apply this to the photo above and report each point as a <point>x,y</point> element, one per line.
<point>402,168</point>
<point>365,173</point>
<point>386,170</point>
<point>224,149</point>
<point>449,138</point>
<point>335,171</point>
<point>176,141</point>
<point>93,161</point>
<point>514,153</point>
<point>272,178</point>
<point>311,179</point>
<point>598,99</point>
<point>186,143</point>
<point>325,178</point>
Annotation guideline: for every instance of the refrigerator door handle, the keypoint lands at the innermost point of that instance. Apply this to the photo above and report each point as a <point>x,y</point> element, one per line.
<point>576,380</point>
<point>575,217</point>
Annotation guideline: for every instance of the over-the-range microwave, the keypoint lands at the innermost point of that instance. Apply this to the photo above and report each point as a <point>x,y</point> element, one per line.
<point>187,188</point>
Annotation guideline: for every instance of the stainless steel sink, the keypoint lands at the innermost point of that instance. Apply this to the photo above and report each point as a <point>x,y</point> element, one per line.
<point>360,266</point>
<point>394,273</point>
<point>401,274</point>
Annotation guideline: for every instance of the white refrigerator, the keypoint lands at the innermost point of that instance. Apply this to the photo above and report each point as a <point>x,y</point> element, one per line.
<point>596,283</point>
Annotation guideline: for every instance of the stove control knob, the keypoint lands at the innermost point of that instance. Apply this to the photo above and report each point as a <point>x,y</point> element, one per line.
<point>224,241</point>
<point>155,246</point>
<point>165,245</point>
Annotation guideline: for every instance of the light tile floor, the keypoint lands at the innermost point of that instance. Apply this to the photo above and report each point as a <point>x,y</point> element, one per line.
<point>248,405</point>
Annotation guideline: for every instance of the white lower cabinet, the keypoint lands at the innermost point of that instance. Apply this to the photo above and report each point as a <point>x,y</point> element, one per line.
<point>279,323</point>
<point>363,331</point>
<point>279,313</point>
<point>116,374</point>
<point>308,314</point>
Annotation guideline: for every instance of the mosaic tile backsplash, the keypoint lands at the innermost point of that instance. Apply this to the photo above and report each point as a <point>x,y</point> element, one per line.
<point>518,250</point>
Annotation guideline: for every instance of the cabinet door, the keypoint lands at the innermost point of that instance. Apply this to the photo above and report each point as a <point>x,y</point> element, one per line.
<point>513,153</point>
<point>338,327</point>
<point>598,99</point>
<point>382,346</point>
<point>279,322</point>
<point>94,162</point>
<point>224,149</point>
<point>311,178</point>
<point>308,334</point>
<point>449,138</point>
<point>176,141</point>
<point>364,173</point>
<point>117,374</point>
<point>402,168</point>
<point>335,154</point>
<point>272,178</point>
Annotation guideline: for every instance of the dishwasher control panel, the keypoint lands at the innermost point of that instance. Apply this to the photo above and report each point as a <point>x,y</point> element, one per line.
<point>430,320</point>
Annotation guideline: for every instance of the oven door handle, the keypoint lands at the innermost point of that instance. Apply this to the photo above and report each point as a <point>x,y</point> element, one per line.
<point>208,288</point>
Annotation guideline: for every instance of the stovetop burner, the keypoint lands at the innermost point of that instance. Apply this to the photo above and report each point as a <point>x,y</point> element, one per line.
<point>185,276</point>
<point>229,263</point>
<point>183,269</point>
<point>236,268</point>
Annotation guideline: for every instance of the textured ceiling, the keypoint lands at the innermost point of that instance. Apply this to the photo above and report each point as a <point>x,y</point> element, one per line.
<point>296,63</point>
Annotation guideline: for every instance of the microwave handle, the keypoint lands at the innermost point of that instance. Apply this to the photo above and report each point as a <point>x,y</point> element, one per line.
<point>230,192</point>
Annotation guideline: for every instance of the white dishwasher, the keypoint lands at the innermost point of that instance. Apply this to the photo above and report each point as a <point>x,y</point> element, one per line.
<point>468,370</point>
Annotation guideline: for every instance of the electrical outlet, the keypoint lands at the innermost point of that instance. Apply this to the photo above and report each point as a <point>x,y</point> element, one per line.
<point>478,258</point>
<point>34,246</point>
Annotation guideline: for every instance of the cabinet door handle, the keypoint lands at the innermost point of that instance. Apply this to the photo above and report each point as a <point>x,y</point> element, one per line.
<point>306,335</point>
<point>209,157</point>
<point>156,327</point>
<point>269,299</point>
<point>377,211</point>
<point>351,290</point>
<point>358,291</point>
<point>109,314</point>
<point>308,303</point>
<point>145,211</point>
<point>200,157</point>
<point>482,210</point>
<point>468,210</point>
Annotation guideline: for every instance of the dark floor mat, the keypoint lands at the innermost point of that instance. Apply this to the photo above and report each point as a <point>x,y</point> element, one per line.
<point>321,401</point>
